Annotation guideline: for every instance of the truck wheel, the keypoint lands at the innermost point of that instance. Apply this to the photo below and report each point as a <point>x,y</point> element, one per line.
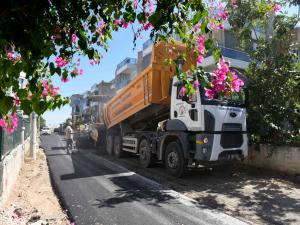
<point>118,147</point>
<point>146,157</point>
<point>175,162</point>
<point>109,144</point>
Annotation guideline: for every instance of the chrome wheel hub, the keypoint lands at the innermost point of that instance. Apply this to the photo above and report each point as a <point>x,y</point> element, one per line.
<point>172,160</point>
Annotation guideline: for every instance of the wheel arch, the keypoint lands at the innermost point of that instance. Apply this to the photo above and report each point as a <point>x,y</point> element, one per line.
<point>168,139</point>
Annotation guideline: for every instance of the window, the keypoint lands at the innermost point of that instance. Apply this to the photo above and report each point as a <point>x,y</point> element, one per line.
<point>192,98</point>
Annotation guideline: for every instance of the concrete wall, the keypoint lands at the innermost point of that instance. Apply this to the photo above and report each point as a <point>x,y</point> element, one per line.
<point>10,167</point>
<point>282,158</point>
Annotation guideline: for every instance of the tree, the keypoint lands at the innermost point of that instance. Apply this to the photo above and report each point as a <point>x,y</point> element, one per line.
<point>273,74</point>
<point>42,122</point>
<point>46,37</point>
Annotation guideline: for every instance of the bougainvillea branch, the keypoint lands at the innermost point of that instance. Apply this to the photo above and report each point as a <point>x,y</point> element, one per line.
<point>66,30</point>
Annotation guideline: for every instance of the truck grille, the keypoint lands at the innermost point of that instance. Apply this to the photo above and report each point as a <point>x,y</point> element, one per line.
<point>231,139</point>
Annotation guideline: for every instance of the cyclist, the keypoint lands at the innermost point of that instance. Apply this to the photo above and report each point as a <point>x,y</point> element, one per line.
<point>69,137</point>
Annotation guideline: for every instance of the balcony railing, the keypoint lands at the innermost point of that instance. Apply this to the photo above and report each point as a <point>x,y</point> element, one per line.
<point>233,54</point>
<point>126,61</point>
<point>147,44</point>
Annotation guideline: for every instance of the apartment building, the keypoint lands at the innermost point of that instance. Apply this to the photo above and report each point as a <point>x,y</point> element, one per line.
<point>81,112</point>
<point>125,72</point>
<point>102,93</point>
<point>228,44</point>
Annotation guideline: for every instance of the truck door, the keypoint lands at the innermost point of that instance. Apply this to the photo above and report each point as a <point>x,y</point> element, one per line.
<point>189,112</point>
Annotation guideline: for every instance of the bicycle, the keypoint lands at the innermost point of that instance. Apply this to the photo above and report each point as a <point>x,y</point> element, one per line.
<point>72,144</point>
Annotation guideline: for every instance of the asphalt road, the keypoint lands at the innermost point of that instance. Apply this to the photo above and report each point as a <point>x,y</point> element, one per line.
<point>97,191</point>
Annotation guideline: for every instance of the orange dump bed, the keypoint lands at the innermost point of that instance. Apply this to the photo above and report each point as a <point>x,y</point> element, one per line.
<point>149,87</point>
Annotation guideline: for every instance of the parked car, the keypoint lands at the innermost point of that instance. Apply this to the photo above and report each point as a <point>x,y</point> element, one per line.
<point>45,130</point>
<point>56,130</point>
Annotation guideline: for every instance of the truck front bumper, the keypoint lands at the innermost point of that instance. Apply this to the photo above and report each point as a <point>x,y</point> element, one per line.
<point>211,147</point>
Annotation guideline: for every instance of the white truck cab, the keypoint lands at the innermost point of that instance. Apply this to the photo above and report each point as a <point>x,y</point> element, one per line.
<point>219,125</point>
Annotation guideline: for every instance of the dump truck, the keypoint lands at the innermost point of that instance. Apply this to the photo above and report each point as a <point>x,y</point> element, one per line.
<point>150,118</point>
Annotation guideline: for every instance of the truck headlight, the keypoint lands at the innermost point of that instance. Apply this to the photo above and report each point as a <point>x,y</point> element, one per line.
<point>205,140</point>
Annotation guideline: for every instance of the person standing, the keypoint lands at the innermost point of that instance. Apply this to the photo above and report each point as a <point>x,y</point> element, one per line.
<point>69,137</point>
<point>94,135</point>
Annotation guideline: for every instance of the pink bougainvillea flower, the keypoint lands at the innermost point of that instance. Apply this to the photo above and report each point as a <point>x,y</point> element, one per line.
<point>135,4</point>
<point>147,26</point>
<point>17,101</point>
<point>224,15</point>
<point>209,93</point>
<point>74,38</point>
<point>201,48</point>
<point>276,8</point>
<point>200,59</point>
<point>201,39</point>
<point>118,22</point>
<point>45,93</point>
<point>182,91</point>
<point>10,54</point>
<point>150,5</point>
<point>55,37</point>
<point>60,62</point>
<point>196,84</point>
<point>236,83</point>
<point>9,130</point>
<point>65,80</point>
<point>3,123</point>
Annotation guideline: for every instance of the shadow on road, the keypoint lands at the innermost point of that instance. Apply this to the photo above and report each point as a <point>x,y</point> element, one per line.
<point>85,167</point>
<point>255,194</point>
<point>58,148</point>
<point>134,192</point>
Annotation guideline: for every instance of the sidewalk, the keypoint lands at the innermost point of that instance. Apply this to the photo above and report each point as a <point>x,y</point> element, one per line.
<point>32,200</point>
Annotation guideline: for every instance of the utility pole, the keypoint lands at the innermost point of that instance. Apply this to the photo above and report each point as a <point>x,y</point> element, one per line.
<point>33,136</point>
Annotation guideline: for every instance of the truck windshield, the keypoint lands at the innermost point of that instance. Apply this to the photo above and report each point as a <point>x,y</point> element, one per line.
<point>235,99</point>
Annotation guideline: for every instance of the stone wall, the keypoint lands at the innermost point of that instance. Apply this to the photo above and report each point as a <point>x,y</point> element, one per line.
<point>10,167</point>
<point>279,158</point>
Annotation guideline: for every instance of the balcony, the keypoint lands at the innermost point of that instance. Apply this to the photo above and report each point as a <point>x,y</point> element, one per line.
<point>147,43</point>
<point>147,47</point>
<point>237,58</point>
<point>126,66</point>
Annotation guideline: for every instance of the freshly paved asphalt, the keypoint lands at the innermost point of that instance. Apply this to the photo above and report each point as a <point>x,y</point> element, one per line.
<point>97,191</point>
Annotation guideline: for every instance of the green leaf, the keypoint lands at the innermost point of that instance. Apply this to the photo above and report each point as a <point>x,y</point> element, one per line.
<point>82,35</point>
<point>217,54</point>
<point>90,53</point>
<point>26,106</point>
<point>22,93</point>
<point>52,68</point>
<point>58,70</point>
<point>6,104</point>
<point>197,17</point>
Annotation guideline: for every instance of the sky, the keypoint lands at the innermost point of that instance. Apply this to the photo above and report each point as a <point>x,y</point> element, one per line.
<point>120,47</point>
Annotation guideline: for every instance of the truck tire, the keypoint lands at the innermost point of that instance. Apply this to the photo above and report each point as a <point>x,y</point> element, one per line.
<point>175,162</point>
<point>146,156</point>
<point>109,144</point>
<point>118,147</point>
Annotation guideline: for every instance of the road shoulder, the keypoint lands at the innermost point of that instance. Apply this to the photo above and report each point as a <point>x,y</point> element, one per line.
<point>33,199</point>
